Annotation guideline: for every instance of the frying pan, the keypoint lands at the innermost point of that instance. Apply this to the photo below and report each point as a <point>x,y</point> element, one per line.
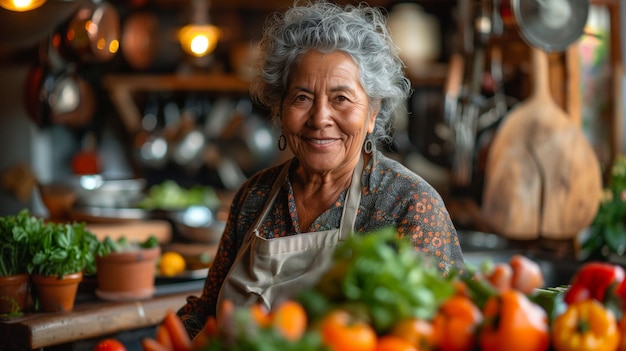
<point>551,25</point>
<point>542,177</point>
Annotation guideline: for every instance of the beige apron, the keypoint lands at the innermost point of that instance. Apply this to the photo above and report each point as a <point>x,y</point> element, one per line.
<point>267,270</point>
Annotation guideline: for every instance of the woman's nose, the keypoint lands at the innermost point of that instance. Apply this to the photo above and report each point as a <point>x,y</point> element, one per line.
<point>321,114</point>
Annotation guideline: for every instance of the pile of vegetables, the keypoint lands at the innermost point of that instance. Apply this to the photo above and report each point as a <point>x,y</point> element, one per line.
<point>169,195</point>
<point>382,295</point>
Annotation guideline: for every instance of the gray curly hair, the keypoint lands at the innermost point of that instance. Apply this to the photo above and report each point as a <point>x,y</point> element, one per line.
<point>359,31</point>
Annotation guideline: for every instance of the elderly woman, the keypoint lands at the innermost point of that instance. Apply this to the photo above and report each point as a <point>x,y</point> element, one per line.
<point>332,78</point>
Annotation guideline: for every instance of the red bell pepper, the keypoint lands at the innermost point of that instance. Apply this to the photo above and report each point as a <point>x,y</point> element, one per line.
<point>594,280</point>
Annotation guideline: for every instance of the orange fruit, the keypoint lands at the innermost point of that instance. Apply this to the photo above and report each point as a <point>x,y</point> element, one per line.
<point>290,319</point>
<point>171,264</point>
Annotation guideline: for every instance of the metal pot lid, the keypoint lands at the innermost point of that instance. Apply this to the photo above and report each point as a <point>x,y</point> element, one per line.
<point>551,25</point>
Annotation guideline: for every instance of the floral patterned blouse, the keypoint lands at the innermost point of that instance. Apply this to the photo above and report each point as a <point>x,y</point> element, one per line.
<point>392,195</point>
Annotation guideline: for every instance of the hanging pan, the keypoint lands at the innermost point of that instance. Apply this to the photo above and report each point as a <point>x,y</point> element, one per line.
<point>550,25</point>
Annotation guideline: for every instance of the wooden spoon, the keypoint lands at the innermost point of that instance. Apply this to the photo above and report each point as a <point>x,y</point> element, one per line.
<point>542,177</point>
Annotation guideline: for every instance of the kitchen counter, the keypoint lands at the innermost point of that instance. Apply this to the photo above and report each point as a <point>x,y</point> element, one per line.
<point>93,318</point>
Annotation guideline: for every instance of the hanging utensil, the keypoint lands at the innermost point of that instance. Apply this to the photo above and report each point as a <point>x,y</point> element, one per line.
<point>551,25</point>
<point>464,122</point>
<point>188,151</point>
<point>152,145</point>
<point>542,176</point>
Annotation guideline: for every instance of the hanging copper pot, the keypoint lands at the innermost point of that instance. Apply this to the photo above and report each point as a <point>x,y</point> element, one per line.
<point>93,33</point>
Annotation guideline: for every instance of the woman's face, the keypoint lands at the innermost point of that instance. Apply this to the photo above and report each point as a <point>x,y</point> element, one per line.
<point>326,113</point>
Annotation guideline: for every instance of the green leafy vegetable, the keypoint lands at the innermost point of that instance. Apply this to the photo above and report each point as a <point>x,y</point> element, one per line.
<point>122,244</point>
<point>30,245</point>
<point>58,249</point>
<point>383,277</point>
<point>15,233</point>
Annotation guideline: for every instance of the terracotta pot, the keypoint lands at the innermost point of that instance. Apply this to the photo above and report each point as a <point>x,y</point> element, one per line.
<point>13,293</point>
<point>57,294</point>
<point>127,276</point>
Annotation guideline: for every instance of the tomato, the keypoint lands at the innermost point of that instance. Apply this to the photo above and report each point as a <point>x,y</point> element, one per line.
<point>527,274</point>
<point>394,343</point>
<point>110,345</point>
<point>514,323</point>
<point>419,332</point>
<point>455,324</point>
<point>501,277</point>
<point>585,325</point>
<point>342,332</point>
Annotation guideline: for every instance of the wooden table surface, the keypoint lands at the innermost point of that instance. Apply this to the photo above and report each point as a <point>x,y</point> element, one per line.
<point>87,320</point>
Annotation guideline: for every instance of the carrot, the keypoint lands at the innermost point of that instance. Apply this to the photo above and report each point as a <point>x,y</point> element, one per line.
<point>163,337</point>
<point>149,344</point>
<point>527,274</point>
<point>178,334</point>
<point>200,341</point>
<point>210,327</point>
<point>225,322</point>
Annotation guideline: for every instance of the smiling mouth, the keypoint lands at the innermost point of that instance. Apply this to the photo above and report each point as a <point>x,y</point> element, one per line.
<point>321,141</point>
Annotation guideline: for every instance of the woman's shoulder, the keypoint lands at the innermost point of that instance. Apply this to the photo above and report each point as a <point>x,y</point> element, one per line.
<point>388,170</point>
<point>260,182</point>
<point>270,173</point>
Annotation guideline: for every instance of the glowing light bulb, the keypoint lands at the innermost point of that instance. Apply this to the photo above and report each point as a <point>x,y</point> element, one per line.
<point>21,5</point>
<point>198,40</point>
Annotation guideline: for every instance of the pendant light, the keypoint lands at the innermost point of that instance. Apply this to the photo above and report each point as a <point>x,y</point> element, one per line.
<point>21,5</point>
<point>199,37</point>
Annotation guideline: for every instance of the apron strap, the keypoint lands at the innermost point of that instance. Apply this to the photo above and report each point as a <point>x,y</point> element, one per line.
<point>351,203</point>
<point>273,194</point>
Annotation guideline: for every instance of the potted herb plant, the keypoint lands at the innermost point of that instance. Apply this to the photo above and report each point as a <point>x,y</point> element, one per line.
<point>125,270</point>
<point>14,256</point>
<point>60,254</point>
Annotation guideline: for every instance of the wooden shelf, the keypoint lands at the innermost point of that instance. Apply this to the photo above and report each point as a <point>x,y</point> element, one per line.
<point>35,331</point>
<point>122,87</point>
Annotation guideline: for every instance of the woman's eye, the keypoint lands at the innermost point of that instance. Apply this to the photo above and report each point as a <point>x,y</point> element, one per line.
<point>341,98</point>
<point>302,98</point>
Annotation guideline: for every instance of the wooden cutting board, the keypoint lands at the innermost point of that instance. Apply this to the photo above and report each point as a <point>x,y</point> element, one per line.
<point>542,177</point>
<point>139,230</point>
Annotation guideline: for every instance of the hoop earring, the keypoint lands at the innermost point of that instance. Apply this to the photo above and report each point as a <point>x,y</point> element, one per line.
<point>368,146</point>
<point>282,142</point>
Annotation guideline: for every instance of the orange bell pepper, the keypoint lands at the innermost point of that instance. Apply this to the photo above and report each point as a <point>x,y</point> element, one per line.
<point>513,323</point>
<point>585,326</point>
<point>455,324</point>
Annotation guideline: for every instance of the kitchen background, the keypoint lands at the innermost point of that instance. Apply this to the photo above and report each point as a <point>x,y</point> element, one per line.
<point>151,90</point>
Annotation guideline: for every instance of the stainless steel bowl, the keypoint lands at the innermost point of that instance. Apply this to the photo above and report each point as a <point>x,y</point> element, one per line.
<point>97,191</point>
<point>198,224</point>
